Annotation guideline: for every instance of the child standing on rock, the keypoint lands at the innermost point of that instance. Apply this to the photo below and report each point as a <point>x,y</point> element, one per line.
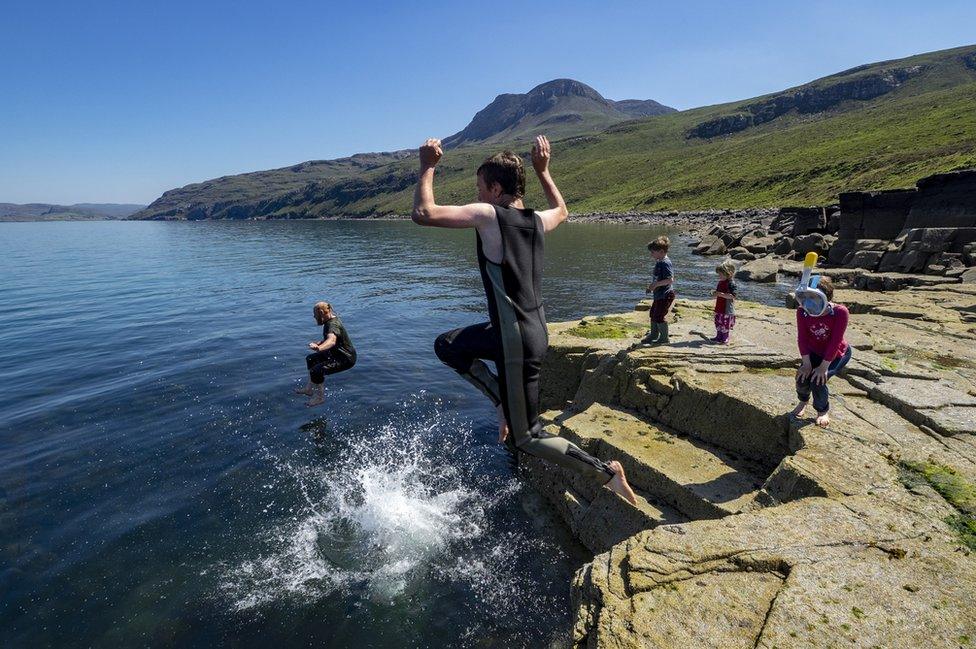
<point>662,289</point>
<point>824,353</point>
<point>725,294</point>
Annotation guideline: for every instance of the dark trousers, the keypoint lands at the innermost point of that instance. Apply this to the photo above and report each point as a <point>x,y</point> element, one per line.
<point>821,397</point>
<point>660,307</point>
<point>328,362</point>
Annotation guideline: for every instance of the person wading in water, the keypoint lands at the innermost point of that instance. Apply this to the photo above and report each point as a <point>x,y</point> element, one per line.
<point>510,243</point>
<point>334,353</point>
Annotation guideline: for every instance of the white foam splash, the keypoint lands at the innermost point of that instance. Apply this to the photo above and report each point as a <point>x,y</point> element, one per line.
<point>389,513</point>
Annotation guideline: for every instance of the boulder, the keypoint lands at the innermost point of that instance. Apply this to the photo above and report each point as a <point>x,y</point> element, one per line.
<point>810,243</point>
<point>757,244</point>
<point>839,250</point>
<point>710,245</point>
<point>784,246</point>
<point>866,259</point>
<point>806,219</point>
<point>743,256</point>
<point>763,269</point>
<point>935,239</point>
<point>879,245</point>
<point>969,254</point>
<point>968,276</point>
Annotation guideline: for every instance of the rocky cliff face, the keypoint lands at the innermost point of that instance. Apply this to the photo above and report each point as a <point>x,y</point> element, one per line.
<point>753,530</point>
<point>809,99</point>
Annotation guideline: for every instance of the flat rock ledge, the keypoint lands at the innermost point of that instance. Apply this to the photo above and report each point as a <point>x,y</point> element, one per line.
<point>753,529</point>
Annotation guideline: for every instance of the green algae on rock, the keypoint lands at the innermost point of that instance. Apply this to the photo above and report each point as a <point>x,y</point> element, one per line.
<point>607,327</point>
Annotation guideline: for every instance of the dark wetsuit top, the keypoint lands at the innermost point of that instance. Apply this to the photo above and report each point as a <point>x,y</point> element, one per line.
<point>516,339</point>
<point>343,346</point>
<point>337,358</point>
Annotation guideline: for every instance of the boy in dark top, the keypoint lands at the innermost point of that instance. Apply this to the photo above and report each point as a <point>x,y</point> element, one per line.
<point>334,353</point>
<point>725,296</point>
<point>662,289</point>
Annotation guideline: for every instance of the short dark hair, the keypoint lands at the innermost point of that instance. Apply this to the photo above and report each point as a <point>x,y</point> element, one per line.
<point>827,286</point>
<point>506,169</point>
<point>661,243</point>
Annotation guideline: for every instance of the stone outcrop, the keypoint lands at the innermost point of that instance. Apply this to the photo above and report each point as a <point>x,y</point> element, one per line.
<point>756,530</point>
<point>929,230</point>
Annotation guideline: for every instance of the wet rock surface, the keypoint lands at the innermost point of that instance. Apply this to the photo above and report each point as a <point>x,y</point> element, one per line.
<point>754,529</point>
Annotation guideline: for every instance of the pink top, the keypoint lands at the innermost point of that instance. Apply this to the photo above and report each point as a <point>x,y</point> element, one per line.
<point>823,335</point>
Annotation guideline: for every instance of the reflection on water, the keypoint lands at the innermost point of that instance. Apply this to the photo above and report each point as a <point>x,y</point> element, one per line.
<point>160,484</point>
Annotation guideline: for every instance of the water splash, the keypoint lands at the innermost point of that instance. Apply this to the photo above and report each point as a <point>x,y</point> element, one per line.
<point>388,513</point>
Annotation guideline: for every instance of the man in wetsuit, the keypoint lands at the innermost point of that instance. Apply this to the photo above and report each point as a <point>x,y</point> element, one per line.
<point>334,353</point>
<point>510,242</point>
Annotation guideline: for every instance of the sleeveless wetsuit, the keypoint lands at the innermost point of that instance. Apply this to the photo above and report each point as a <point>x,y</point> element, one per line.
<point>516,340</point>
<point>338,358</point>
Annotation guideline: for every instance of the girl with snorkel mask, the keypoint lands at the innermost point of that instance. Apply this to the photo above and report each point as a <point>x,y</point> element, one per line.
<point>820,325</point>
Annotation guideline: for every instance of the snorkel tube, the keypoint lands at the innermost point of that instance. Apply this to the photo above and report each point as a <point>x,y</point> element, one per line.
<point>808,296</point>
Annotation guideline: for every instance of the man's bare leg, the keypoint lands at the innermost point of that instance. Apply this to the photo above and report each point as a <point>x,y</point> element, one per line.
<point>502,425</point>
<point>619,485</point>
<point>318,396</point>
<point>307,390</point>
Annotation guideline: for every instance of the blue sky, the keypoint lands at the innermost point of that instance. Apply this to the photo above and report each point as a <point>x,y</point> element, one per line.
<point>119,101</point>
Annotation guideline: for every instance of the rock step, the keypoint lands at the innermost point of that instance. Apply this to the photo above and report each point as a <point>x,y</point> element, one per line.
<point>595,515</point>
<point>697,480</point>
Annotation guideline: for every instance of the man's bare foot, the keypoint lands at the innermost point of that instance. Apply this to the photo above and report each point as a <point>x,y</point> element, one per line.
<point>306,391</point>
<point>318,396</point>
<point>823,419</point>
<point>798,411</point>
<point>316,400</point>
<point>502,426</point>
<point>618,483</point>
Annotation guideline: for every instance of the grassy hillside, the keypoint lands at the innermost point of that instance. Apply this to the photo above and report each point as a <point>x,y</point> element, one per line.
<point>877,126</point>
<point>76,212</point>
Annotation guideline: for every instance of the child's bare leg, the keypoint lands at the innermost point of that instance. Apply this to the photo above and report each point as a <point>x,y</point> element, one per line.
<point>619,485</point>
<point>823,419</point>
<point>800,407</point>
<point>318,396</point>
<point>307,390</point>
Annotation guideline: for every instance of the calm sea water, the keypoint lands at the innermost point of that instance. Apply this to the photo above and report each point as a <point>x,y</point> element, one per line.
<point>161,486</point>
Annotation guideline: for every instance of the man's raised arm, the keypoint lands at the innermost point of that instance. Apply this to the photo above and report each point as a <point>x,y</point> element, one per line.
<point>427,212</point>
<point>557,212</point>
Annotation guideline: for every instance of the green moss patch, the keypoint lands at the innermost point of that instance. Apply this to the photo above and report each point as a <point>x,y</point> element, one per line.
<point>608,327</point>
<point>957,491</point>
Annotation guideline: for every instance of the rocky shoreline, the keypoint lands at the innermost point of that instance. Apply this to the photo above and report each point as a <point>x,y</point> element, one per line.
<point>880,240</point>
<point>754,530</point>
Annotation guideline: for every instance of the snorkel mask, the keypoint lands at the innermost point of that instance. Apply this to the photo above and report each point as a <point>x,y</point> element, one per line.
<point>808,296</point>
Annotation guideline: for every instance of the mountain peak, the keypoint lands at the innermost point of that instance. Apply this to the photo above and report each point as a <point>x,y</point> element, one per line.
<point>557,108</point>
<point>566,88</point>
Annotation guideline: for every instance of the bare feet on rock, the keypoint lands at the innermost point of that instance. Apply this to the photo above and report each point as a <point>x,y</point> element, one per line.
<point>823,419</point>
<point>798,411</point>
<point>618,483</point>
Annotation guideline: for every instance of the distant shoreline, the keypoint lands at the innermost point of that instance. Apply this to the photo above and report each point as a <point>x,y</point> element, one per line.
<point>689,218</point>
